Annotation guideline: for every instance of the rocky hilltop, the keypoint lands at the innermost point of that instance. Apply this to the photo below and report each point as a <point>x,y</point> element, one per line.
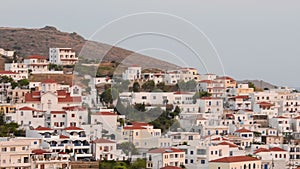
<point>38,41</point>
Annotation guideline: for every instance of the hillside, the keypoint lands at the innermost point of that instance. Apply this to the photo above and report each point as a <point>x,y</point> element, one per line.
<point>259,84</point>
<point>38,41</point>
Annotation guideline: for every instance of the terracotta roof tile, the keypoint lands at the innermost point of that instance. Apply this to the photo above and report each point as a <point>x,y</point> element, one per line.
<point>234,159</point>
<point>227,143</point>
<point>243,130</point>
<point>73,128</point>
<point>40,128</point>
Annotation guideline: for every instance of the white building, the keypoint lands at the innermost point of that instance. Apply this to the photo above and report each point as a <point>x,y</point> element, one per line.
<point>163,157</point>
<point>132,73</point>
<point>62,56</point>
<point>36,63</point>
<point>104,149</point>
<point>7,53</point>
<point>20,68</point>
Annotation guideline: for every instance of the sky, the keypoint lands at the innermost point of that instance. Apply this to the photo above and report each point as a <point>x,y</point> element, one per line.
<point>240,38</point>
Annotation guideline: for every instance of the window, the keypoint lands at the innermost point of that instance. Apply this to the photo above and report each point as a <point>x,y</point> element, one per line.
<point>13,149</point>
<point>192,152</point>
<point>144,97</point>
<point>191,161</point>
<point>202,161</point>
<point>54,116</point>
<point>73,115</point>
<point>4,149</point>
<point>35,142</point>
<point>191,138</point>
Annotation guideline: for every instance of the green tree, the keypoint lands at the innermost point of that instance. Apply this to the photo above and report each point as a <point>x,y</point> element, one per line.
<point>138,164</point>
<point>136,87</point>
<point>127,147</point>
<point>23,82</point>
<point>109,95</point>
<point>148,86</point>
<point>161,86</point>
<point>140,107</point>
<point>251,85</point>
<point>201,94</point>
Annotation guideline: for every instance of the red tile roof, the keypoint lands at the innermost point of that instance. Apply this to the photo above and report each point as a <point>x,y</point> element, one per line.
<point>7,72</point>
<point>40,128</point>
<point>70,99</point>
<point>39,151</point>
<point>63,136</point>
<point>29,98</point>
<point>58,112</point>
<point>261,150</point>
<point>280,117</point>
<point>234,159</point>
<point>227,143</point>
<point>133,128</point>
<point>298,117</point>
<point>209,98</point>
<point>73,128</point>
<point>106,113</point>
<point>181,93</point>
<point>170,167</point>
<point>265,104</point>
<point>166,150</point>
<point>219,139</point>
<point>102,140</point>
<point>243,130</point>
<point>276,149</point>
<point>30,109</point>
<point>35,57</point>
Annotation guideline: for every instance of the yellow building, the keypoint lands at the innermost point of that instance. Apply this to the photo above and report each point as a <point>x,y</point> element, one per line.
<point>235,162</point>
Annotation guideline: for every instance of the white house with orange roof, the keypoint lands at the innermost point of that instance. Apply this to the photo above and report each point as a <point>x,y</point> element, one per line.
<point>70,140</point>
<point>21,152</point>
<point>104,149</point>
<point>14,75</point>
<point>275,157</point>
<point>36,63</point>
<point>156,77</point>
<point>214,87</point>
<point>187,74</point>
<point>246,137</point>
<point>69,116</point>
<point>227,81</point>
<point>241,90</point>
<point>142,135</point>
<point>28,116</point>
<point>239,102</point>
<point>235,162</point>
<point>62,56</point>
<point>20,68</point>
<point>49,98</point>
<point>162,157</point>
<point>266,108</point>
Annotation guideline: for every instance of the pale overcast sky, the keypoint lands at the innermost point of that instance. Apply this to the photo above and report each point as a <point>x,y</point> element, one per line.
<point>255,39</point>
